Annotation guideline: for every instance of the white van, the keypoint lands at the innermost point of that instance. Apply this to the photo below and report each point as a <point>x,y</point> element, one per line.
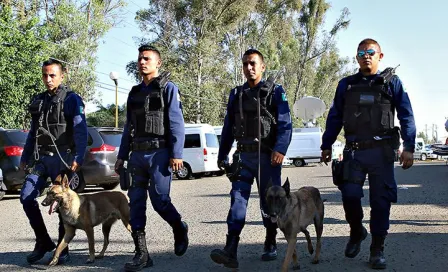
<point>218,131</point>
<point>305,146</point>
<point>200,153</point>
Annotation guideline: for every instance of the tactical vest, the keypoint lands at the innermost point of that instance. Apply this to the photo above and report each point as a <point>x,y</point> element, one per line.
<point>368,109</point>
<point>47,112</point>
<point>245,126</point>
<point>147,113</point>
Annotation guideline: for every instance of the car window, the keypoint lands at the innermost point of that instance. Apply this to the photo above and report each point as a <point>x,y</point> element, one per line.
<point>89,140</point>
<point>17,137</point>
<point>192,141</point>
<point>111,137</point>
<point>211,140</point>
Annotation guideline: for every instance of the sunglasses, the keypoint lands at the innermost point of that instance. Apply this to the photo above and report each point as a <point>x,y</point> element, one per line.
<point>370,52</point>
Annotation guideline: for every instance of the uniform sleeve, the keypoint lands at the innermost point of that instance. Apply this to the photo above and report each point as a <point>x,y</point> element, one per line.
<point>74,108</point>
<point>284,123</point>
<point>227,137</point>
<point>334,118</point>
<point>30,143</point>
<point>123,153</point>
<point>176,121</point>
<point>404,114</point>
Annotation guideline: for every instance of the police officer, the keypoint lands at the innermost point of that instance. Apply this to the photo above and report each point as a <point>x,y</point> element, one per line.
<point>154,133</point>
<point>240,124</point>
<point>365,105</point>
<point>58,132</point>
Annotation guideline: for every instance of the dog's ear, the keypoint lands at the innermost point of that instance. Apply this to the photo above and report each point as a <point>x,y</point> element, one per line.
<point>287,187</point>
<point>58,180</point>
<point>65,182</point>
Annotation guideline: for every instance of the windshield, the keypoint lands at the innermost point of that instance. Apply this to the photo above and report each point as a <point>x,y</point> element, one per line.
<point>17,137</point>
<point>112,138</point>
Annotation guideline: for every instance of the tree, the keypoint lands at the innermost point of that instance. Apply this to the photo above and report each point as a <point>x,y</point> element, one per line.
<point>105,116</point>
<point>22,53</point>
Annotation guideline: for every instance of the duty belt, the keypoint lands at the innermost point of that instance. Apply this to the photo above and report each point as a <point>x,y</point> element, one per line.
<point>148,145</point>
<point>367,144</point>
<point>47,150</point>
<point>252,148</point>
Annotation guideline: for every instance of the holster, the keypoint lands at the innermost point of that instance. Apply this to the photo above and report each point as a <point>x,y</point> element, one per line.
<point>233,170</point>
<point>125,179</point>
<point>337,171</point>
<point>395,138</point>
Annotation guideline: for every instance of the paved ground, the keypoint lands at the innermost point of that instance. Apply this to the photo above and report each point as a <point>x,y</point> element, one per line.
<point>417,241</point>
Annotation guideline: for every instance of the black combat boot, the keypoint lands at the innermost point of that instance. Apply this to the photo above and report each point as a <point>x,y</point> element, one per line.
<point>357,235</point>
<point>228,255</point>
<point>180,231</point>
<point>42,246</point>
<point>377,260</point>
<point>141,258</point>
<point>270,245</point>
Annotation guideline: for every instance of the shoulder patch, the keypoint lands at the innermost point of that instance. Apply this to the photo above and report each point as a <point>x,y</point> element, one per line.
<point>284,97</point>
<point>82,110</point>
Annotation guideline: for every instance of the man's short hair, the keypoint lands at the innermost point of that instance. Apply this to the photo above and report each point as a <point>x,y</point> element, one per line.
<point>53,62</point>
<point>254,51</point>
<point>147,47</point>
<point>369,41</point>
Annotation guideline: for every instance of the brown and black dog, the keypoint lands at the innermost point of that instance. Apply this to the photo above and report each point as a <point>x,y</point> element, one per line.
<point>293,213</point>
<point>85,212</point>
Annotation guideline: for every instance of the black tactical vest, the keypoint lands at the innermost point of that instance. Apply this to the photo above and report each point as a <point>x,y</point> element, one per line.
<point>368,109</point>
<point>47,112</point>
<point>147,113</point>
<point>245,126</point>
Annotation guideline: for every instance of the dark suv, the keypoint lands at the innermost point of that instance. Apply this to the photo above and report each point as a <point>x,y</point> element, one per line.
<point>98,167</point>
<point>11,148</point>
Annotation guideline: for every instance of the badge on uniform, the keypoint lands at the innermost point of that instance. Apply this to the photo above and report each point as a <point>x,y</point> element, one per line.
<point>284,97</point>
<point>81,110</point>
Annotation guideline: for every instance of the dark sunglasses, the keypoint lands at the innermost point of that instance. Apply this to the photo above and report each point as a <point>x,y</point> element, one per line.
<point>370,52</point>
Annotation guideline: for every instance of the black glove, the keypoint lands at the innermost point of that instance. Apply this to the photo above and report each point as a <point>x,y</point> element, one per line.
<point>221,164</point>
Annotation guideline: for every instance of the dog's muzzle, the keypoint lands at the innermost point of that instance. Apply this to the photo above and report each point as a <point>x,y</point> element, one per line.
<point>274,218</point>
<point>54,205</point>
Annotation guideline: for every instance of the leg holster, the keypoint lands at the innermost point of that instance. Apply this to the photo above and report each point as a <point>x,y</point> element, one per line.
<point>138,172</point>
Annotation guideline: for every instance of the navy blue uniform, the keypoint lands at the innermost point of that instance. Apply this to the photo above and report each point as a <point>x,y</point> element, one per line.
<point>241,188</point>
<point>153,165</point>
<point>51,166</point>
<point>377,162</point>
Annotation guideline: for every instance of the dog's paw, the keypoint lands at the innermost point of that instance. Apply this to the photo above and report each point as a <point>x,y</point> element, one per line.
<point>315,262</point>
<point>296,267</point>
<point>53,262</point>
<point>90,260</point>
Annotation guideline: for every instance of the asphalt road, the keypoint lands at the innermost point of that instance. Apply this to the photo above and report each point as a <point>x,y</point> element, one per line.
<point>418,238</point>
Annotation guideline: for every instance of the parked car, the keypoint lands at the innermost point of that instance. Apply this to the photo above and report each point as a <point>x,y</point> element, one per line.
<point>11,148</point>
<point>98,168</point>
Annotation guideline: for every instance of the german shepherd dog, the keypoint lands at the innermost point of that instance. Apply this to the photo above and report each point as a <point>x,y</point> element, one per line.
<point>293,213</point>
<point>85,212</point>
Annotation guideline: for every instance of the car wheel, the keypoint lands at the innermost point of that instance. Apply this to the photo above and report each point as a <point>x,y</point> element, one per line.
<point>184,172</point>
<point>2,194</point>
<point>423,158</point>
<point>77,182</point>
<point>110,186</point>
<point>299,163</point>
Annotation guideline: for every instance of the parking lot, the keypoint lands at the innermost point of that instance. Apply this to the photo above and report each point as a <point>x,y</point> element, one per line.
<point>417,241</point>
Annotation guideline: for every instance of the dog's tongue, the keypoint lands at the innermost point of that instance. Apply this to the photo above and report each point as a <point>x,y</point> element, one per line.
<point>274,219</point>
<point>52,207</point>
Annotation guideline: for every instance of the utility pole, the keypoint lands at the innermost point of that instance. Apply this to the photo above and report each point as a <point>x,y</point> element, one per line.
<point>426,131</point>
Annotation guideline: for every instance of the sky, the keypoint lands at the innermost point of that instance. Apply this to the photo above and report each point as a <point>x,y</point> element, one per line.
<point>410,35</point>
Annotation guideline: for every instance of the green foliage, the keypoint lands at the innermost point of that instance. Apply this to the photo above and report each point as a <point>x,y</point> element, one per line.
<point>202,43</point>
<point>22,53</point>
<point>105,116</point>
<point>32,31</point>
